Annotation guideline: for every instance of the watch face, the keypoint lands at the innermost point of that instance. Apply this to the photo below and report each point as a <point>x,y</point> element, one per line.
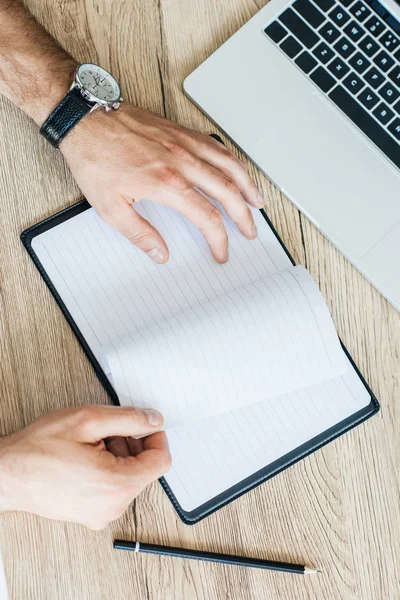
<point>99,83</point>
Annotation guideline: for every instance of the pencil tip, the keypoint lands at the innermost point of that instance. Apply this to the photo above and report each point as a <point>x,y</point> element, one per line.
<point>308,571</point>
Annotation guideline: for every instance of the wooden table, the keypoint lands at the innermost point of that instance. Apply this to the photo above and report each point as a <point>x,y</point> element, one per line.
<point>336,510</point>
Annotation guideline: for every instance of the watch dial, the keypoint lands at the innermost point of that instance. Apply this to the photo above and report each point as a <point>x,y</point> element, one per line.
<point>98,82</point>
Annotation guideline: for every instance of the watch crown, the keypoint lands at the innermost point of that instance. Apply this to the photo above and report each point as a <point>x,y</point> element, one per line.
<point>116,105</point>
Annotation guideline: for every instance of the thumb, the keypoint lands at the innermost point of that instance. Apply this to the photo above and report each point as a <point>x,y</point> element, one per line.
<point>123,217</point>
<point>94,423</point>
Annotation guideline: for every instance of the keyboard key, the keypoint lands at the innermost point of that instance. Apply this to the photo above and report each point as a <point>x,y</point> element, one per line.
<point>394,75</point>
<point>299,29</point>
<point>368,98</point>
<point>383,113</point>
<point>374,78</point>
<point>329,32</point>
<point>389,41</point>
<point>309,13</point>
<point>394,128</point>
<point>291,47</point>
<point>354,31</point>
<point>353,83</point>
<point>397,55</point>
<point>359,62</point>
<point>344,47</point>
<point>338,68</point>
<point>346,2</point>
<point>322,78</point>
<point>389,93</point>
<point>360,11</point>
<point>397,107</point>
<point>275,31</point>
<point>356,113</point>
<point>374,26</point>
<point>306,62</point>
<point>369,46</point>
<point>383,60</point>
<point>323,53</point>
<point>339,16</point>
<point>324,5</point>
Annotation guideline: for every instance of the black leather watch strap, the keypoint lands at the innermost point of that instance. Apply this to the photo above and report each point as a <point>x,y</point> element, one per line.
<point>65,116</point>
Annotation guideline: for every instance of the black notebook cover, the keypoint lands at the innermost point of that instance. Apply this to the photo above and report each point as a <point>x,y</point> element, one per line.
<point>250,482</point>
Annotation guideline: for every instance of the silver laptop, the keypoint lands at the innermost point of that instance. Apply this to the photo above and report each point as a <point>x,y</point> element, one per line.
<point>310,91</point>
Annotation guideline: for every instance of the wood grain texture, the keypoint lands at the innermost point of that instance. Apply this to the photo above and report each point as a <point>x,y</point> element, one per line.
<point>337,509</point>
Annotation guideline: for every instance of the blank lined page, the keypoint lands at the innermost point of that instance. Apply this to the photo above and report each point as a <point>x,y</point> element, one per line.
<point>270,337</point>
<point>113,290</point>
<point>228,448</point>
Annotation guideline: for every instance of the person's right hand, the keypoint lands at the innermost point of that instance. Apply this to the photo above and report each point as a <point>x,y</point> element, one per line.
<point>72,464</point>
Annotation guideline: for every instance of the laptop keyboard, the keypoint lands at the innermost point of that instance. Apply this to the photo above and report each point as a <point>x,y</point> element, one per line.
<point>351,51</point>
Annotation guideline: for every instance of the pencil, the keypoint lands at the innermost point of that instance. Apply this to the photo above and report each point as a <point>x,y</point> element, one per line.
<point>227,559</point>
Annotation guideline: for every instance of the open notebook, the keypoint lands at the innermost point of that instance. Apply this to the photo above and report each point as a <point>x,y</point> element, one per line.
<point>242,359</point>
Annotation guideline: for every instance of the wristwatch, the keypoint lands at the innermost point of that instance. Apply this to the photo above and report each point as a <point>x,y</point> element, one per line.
<point>93,88</point>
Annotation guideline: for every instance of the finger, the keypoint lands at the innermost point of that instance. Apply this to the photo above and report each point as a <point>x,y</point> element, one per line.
<point>217,155</point>
<point>135,445</point>
<point>152,463</point>
<point>217,185</point>
<point>118,446</point>
<point>217,143</point>
<point>199,211</point>
<point>122,216</point>
<point>94,423</point>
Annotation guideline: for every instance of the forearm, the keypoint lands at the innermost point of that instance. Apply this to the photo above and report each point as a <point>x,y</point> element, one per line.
<point>35,72</point>
<point>125,155</point>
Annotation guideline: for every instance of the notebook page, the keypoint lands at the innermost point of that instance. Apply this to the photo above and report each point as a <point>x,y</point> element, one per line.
<point>104,282</point>
<point>112,289</point>
<point>270,337</point>
<point>224,450</point>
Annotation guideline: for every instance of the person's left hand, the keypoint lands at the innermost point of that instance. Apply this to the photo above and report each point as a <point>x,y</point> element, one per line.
<point>121,157</point>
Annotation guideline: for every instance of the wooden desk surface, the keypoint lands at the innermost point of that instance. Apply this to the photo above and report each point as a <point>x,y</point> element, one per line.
<point>337,510</point>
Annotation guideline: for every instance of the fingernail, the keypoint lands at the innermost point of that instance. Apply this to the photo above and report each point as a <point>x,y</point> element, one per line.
<point>254,230</point>
<point>157,254</point>
<point>154,417</point>
<point>260,201</point>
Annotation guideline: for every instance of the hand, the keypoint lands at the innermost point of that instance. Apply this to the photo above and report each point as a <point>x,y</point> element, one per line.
<point>69,464</point>
<point>124,156</point>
